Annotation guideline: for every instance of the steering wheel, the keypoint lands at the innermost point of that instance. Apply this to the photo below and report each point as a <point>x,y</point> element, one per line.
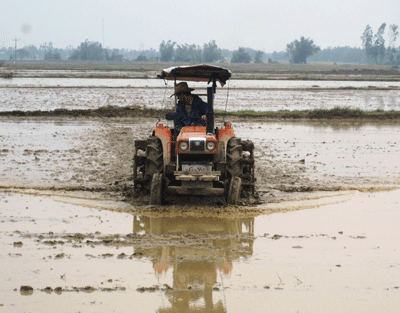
<point>194,120</point>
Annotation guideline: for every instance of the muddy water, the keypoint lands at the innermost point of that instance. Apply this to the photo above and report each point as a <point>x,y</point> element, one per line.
<point>338,258</point>
<point>31,99</point>
<point>263,95</point>
<point>86,246</point>
<point>137,82</point>
<point>291,158</point>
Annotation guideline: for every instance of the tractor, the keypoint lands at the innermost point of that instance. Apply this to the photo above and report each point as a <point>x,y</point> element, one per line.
<point>197,160</point>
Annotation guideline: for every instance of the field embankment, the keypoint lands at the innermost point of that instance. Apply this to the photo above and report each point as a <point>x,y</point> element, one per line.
<point>263,71</point>
<point>134,111</point>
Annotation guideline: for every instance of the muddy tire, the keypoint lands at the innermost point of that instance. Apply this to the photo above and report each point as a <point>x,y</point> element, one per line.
<point>156,189</point>
<point>234,158</point>
<point>154,157</point>
<point>234,191</point>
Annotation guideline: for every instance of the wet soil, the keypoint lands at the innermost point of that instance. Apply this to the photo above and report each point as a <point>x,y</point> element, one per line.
<point>73,236</point>
<point>310,71</point>
<point>80,258</point>
<point>61,98</point>
<point>293,159</point>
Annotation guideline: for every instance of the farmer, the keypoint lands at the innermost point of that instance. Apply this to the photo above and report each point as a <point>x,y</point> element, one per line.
<point>190,108</point>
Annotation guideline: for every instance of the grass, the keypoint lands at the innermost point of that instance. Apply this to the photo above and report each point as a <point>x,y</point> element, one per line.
<point>343,113</point>
<point>311,71</point>
<point>132,111</point>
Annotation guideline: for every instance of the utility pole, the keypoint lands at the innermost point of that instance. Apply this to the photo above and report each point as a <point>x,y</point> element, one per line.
<point>15,55</point>
<point>104,43</point>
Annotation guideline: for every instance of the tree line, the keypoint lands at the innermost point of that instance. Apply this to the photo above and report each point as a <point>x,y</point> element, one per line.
<point>210,53</point>
<point>298,51</point>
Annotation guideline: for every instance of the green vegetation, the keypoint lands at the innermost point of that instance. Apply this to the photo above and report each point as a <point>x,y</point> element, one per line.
<point>133,111</point>
<point>241,56</point>
<point>270,71</point>
<point>167,50</point>
<point>301,49</point>
<point>374,45</point>
<point>373,50</point>
<point>211,52</point>
<point>343,113</point>
<point>259,57</point>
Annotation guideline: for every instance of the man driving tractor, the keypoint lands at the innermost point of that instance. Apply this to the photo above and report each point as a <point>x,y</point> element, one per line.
<point>194,158</point>
<point>190,108</point>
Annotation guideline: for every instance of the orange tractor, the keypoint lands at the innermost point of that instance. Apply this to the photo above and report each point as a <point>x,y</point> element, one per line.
<point>198,160</point>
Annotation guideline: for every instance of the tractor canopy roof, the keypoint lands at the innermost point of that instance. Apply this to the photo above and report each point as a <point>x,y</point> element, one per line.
<point>197,73</point>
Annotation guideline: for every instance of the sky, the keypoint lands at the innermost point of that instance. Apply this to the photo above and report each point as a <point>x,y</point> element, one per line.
<point>140,25</point>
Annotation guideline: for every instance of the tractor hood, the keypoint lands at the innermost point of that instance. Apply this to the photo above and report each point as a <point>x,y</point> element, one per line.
<point>201,72</point>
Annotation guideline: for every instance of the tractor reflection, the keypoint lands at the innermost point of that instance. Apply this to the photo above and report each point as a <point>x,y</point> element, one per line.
<point>198,250</point>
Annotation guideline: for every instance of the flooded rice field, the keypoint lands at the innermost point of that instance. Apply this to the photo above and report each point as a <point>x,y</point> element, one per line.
<point>322,236</point>
<point>86,154</point>
<point>157,83</point>
<point>27,94</point>
<point>340,257</point>
<point>30,99</point>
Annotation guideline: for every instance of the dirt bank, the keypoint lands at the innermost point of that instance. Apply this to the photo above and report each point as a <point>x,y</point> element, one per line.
<point>245,115</point>
<point>101,69</point>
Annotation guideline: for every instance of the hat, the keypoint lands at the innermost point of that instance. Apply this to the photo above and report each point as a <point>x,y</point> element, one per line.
<point>181,88</point>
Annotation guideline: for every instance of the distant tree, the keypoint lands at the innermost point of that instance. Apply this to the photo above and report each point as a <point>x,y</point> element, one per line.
<point>188,53</point>
<point>301,50</point>
<point>52,55</point>
<point>22,54</point>
<point>115,56</point>
<point>167,51</point>
<point>142,58</point>
<point>391,50</point>
<point>88,50</point>
<point>33,51</point>
<point>367,43</point>
<point>211,52</point>
<point>340,55</point>
<point>374,45</point>
<point>259,57</point>
<point>379,49</point>
<point>240,56</point>
<point>279,56</point>
<point>393,34</point>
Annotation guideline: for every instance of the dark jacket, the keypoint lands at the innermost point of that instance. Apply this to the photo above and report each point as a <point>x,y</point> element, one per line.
<point>199,108</point>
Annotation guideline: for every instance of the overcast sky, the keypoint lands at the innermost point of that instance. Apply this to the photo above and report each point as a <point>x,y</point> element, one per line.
<point>137,24</point>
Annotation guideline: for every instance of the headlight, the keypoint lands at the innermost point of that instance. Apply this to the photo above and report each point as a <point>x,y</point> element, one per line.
<point>183,145</point>
<point>211,146</point>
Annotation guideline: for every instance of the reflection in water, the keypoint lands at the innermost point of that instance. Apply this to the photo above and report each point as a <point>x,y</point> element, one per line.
<point>196,250</point>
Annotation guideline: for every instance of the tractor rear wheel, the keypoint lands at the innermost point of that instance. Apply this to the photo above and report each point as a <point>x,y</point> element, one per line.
<point>154,157</point>
<point>234,190</point>
<point>234,158</point>
<point>156,189</point>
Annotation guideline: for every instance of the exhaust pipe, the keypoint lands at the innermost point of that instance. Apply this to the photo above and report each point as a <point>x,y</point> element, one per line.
<point>210,111</point>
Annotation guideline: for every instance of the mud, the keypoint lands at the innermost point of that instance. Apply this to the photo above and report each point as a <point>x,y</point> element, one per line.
<point>78,258</point>
<point>94,156</point>
<point>310,71</point>
<point>270,99</point>
<point>320,236</point>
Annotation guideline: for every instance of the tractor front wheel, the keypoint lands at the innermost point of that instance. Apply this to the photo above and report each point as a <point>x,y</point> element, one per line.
<point>234,190</point>
<point>156,189</point>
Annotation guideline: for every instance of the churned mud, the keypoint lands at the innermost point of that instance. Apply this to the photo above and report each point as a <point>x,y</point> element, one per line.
<point>235,99</point>
<point>316,237</point>
<point>292,158</point>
